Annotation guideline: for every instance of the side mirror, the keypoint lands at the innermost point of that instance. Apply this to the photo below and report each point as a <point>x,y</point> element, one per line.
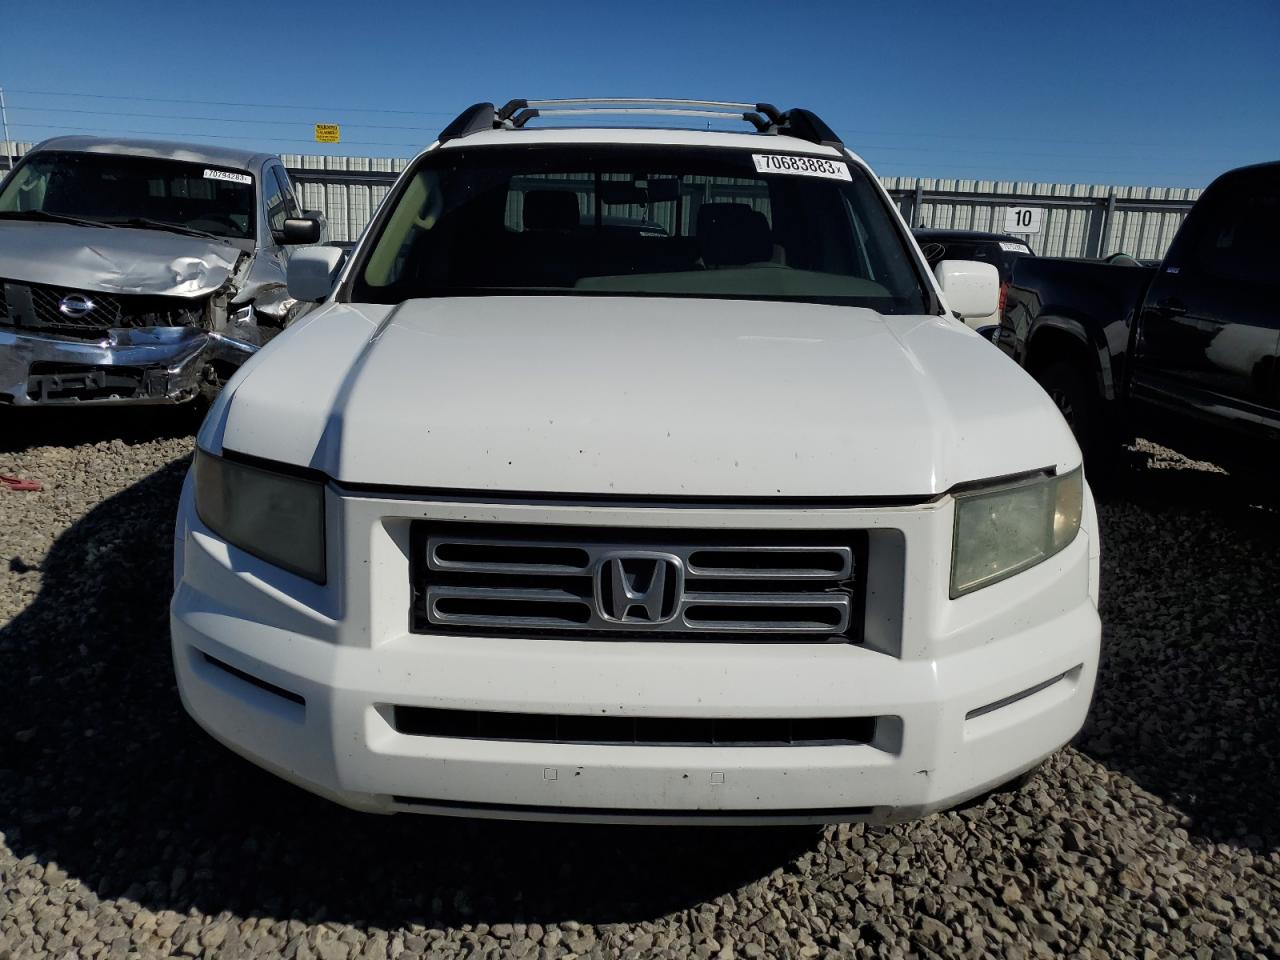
<point>319,217</point>
<point>313,272</point>
<point>299,231</point>
<point>971,288</point>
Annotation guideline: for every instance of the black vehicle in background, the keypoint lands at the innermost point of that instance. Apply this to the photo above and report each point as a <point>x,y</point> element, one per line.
<point>1000,249</point>
<point>1185,353</point>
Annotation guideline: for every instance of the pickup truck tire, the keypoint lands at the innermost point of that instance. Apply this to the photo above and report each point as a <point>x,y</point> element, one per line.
<point>1074,394</point>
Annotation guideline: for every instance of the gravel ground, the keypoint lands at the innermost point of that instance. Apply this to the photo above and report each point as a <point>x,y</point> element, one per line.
<point>125,831</point>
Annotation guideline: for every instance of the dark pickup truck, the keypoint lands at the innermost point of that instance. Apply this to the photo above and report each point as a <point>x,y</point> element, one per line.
<point>1184,353</point>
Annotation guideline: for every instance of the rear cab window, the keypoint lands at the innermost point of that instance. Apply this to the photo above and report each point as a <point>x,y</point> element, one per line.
<point>1231,234</point>
<point>1002,254</point>
<point>611,220</point>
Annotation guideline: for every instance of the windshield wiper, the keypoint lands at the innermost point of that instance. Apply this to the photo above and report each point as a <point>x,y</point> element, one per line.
<point>146,223</point>
<point>48,217</point>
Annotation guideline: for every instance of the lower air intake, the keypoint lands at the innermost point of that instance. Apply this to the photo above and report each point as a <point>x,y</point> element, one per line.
<point>634,731</point>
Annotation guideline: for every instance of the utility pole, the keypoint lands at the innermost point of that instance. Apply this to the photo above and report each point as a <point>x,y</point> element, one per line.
<point>8,144</point>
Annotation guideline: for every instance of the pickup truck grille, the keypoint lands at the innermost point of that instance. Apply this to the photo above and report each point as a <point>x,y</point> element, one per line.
<point>37,306</point>
<point>521,580</point>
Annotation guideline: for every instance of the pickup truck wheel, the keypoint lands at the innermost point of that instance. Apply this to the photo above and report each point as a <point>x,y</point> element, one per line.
<point>1075,396</point>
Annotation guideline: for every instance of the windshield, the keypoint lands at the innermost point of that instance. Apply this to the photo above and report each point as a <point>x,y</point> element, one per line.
<point>114,188</point>
<point>640,221</point>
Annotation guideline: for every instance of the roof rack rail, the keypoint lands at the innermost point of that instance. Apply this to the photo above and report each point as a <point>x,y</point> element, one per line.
<point>765,117</point>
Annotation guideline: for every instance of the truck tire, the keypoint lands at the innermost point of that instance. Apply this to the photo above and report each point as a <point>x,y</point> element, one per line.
<point>1076,397</point>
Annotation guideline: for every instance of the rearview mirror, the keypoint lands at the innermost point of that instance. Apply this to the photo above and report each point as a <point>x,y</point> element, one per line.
<point>971,288</point>
<point>300,230</point>
<point>663,190</point>
<point>617,194</point>
<point>312,272</point>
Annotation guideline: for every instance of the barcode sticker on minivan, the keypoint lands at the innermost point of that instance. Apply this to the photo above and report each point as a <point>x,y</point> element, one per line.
<point>227,175</point>
<point>801,166</point>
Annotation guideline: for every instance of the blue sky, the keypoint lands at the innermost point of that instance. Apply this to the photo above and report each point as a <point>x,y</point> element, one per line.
<point>1090,92</point>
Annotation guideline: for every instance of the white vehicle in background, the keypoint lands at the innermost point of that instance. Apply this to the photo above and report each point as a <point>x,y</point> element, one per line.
<point>637,474</point>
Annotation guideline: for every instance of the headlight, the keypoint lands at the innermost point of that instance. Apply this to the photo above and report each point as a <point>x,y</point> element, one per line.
<point>277,517</point>
<point>1000,531</point>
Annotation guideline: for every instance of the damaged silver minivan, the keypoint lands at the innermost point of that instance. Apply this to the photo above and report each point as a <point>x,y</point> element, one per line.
<point>141,272</point>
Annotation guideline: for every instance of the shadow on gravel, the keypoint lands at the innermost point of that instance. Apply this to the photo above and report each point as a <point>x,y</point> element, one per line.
<point>21,429</point>
<point>102,772</point>
<point>1188,696</point>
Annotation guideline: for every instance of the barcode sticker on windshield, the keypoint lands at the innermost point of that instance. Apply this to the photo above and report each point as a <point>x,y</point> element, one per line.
<point>801,166</point>
<point>227,175</point>
<point>1014,247</point>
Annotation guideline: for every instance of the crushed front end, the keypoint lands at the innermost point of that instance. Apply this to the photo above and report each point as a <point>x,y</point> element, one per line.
<point>61,345</point>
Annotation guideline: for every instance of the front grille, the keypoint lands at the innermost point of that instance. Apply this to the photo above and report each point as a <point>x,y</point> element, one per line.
<point>44,301</point>
<point>635,731</point>
<point>38,306</point>
<point>524,580</point>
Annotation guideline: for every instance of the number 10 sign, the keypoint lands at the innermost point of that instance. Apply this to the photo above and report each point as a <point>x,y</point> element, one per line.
<point>1022,219</point>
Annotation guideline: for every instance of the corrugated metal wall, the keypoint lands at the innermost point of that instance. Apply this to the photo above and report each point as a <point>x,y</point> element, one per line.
<point>1143,220</point>
<point>347,205</point>
<point>1146,234</point>
<point>1079,219</point>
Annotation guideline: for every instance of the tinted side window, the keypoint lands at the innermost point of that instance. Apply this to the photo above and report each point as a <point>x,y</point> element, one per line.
<point>273,199</point>
<point>1232,234</point>
<point>286,189</point>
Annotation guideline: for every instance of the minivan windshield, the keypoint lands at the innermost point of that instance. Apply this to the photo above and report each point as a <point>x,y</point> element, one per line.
<point>608,220</point>
<point>136,191</point>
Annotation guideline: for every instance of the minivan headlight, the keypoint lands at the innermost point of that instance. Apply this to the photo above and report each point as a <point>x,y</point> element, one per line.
<point>1003,530</point>
<point>274,516</point>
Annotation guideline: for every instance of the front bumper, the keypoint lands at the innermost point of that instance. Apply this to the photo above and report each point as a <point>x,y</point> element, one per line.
<point>301,679</point>
<point>148,365</point>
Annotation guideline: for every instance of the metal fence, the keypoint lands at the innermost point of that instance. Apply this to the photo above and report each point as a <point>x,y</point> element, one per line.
<point>346,189</point>
<point>1077,220</point>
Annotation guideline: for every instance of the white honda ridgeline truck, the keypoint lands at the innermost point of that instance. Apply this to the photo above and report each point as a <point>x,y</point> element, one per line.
<point>637,474</point>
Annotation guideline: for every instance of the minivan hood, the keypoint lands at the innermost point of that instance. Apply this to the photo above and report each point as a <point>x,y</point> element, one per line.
<point>113,259</point>
<point>640,396</point>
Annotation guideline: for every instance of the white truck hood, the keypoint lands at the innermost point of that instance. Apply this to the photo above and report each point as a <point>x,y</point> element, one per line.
<point>639,396</point>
